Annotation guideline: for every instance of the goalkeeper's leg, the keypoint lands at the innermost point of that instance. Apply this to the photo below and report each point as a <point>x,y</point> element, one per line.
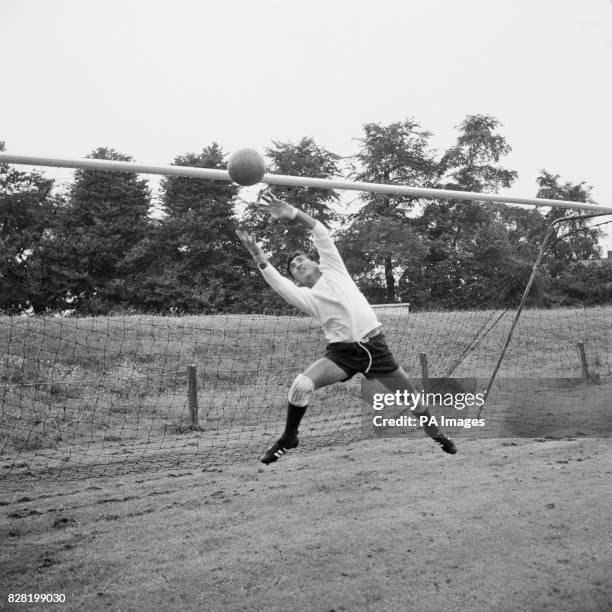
<point>399,381</point>
<point>320,374</point>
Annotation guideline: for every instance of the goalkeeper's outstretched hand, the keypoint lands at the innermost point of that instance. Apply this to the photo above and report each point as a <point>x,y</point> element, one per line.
<point>276,208</point>
<point>252,246</point>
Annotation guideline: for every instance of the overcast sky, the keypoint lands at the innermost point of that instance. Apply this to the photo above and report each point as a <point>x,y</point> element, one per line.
<point>156,79</point>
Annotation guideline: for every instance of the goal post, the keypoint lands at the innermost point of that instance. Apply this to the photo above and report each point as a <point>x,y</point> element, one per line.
<point>294,181</point>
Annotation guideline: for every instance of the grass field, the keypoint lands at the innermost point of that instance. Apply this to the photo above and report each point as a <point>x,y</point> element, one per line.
<point>108,498</point>
<point>379,525</point>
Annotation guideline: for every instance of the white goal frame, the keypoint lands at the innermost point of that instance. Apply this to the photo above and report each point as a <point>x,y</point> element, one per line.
<point>298,181</point>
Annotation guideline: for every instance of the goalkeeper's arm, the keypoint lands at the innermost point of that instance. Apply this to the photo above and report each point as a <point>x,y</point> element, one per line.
<point>328,253</point>
<point>279,209</point>
<point>253,247</point>
<point>296,296</point>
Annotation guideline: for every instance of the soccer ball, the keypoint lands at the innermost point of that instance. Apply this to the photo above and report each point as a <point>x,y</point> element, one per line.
<point>246,167</point>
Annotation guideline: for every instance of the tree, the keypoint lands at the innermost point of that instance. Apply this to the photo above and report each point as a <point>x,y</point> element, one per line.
<point>526,230</point>
<point>572,240</point>
<point>469,242</point>
<point>473,163</point>
<point>565,274</point>
<point>27,207</point>
<point>381,243</point>
<point>106,214</point>
<point>586,283</point>
<point>197,262</point>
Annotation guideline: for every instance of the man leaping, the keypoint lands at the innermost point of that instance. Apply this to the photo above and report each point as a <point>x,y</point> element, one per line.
<point>327,292</point>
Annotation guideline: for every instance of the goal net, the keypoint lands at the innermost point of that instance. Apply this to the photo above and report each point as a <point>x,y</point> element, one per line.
<point>85,393</point>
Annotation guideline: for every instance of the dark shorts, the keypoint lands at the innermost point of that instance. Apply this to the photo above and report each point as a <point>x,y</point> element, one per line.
<point>373,358</point>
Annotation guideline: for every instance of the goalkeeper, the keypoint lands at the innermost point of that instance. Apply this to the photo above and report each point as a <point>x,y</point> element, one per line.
<point>326,291</point>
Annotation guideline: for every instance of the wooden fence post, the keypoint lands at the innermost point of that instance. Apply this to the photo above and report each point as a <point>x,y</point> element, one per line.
<point>594,378</point>
<point>424,370</point>
<point>192,377</point>
<point>583,361</point>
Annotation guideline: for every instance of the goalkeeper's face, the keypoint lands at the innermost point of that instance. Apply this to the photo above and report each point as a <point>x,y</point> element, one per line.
<point>304,270</point>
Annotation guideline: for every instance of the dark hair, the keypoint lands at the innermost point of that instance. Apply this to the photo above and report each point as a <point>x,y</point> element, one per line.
<point>295,254</point>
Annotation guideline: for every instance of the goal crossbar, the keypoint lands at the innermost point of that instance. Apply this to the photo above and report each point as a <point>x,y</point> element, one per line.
<point>293,181</point>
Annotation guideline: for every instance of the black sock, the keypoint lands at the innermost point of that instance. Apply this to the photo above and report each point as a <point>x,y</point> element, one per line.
<point>294,417</point>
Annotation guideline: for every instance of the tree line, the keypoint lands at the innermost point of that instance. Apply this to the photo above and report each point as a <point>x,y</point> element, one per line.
<point>104,244</point>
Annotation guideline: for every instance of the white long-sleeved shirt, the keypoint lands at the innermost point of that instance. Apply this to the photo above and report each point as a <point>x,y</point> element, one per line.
<point>335,300</point>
